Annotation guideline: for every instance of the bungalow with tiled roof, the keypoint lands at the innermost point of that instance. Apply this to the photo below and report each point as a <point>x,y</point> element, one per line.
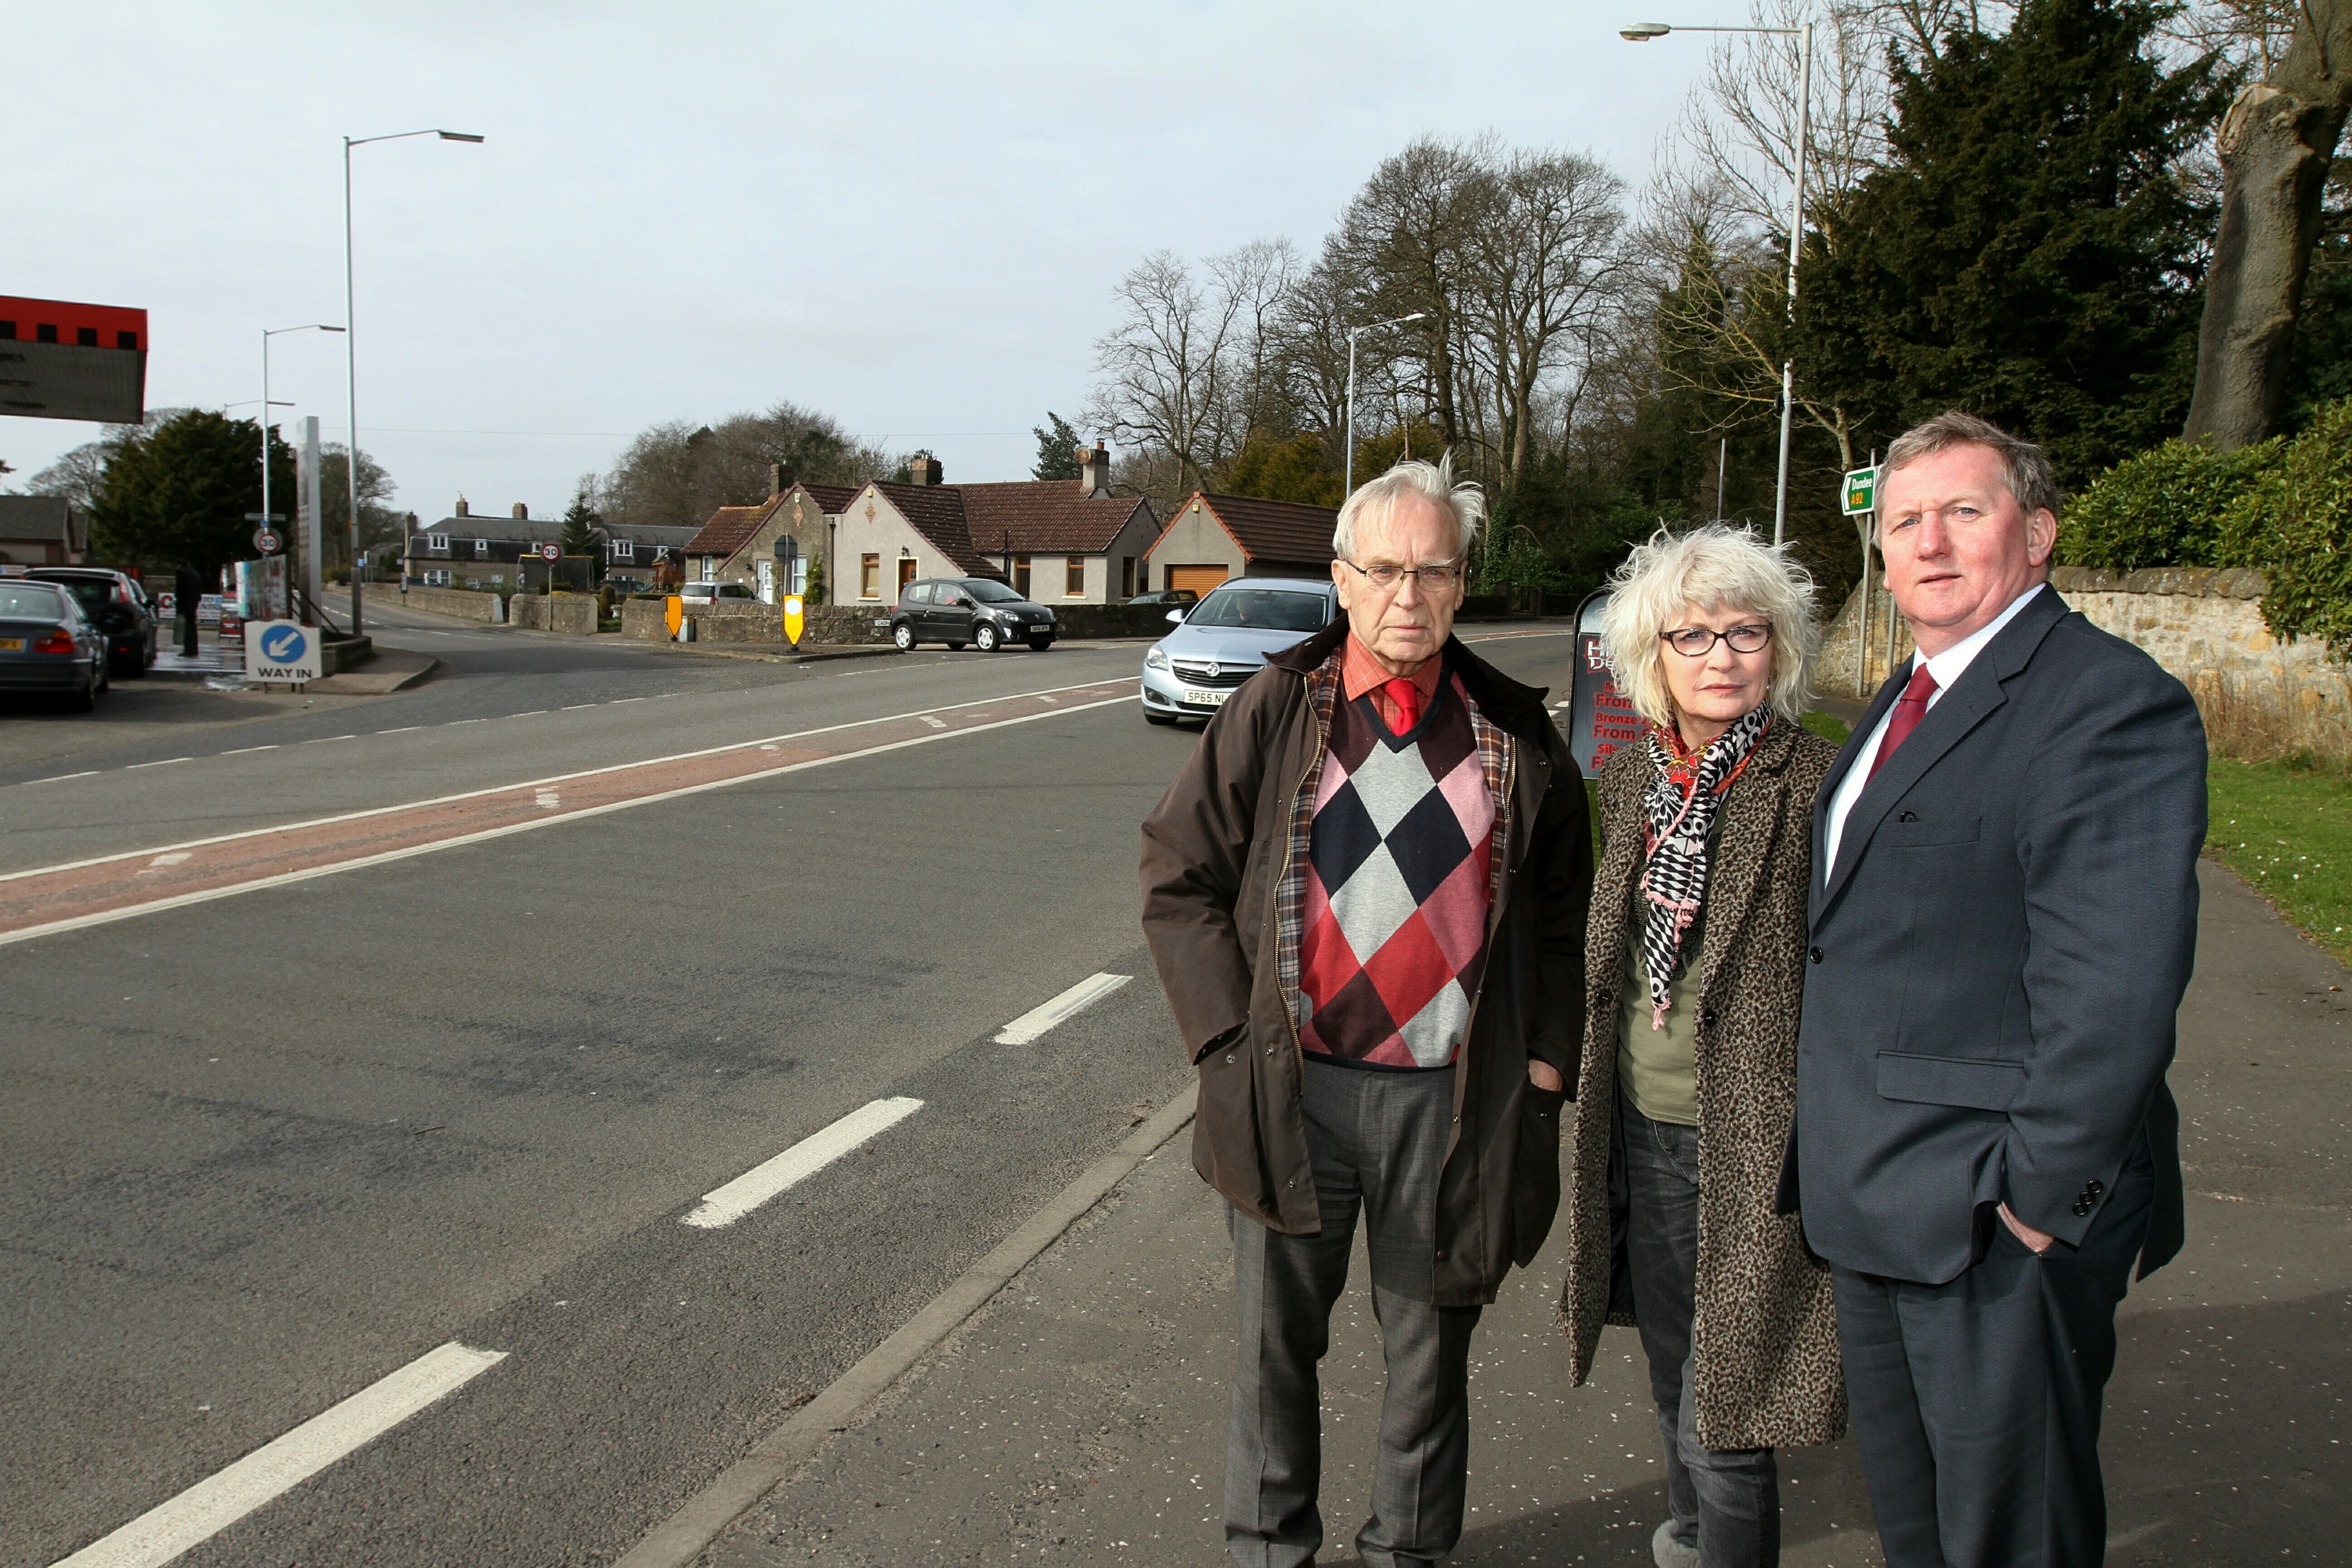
<point>1214,537</point>
<point>740,543</point>
<point>1055,540</point>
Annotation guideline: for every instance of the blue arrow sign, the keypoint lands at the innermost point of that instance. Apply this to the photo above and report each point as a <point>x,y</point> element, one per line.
<point>283,645</point>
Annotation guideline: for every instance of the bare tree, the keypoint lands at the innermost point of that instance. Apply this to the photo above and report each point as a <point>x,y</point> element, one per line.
<point>1405,234</point>
<point>2276,146</point>
<point>676,474</point>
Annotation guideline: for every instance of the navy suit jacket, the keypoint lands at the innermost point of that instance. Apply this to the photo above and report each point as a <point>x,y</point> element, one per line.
<point>1998,956</point>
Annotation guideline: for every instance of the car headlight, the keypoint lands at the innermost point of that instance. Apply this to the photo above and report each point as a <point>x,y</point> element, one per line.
<point>1155,659</point>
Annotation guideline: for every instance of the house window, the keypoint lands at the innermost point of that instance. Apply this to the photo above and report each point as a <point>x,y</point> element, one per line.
<point>624,550</point>
<point>905,571</point>
<point>1074,577</point>
<point>481,550</point>
<point>437,544</point>
<point>869,577</point>
<point>1127,577</point>
<point>799,583</point>
<point>438,579</point>
<point>1020,575</point>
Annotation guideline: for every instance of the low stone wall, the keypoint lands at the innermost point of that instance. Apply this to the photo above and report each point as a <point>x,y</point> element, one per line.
<point>2260,696</point>
<point>459,602</point>
<point>831,626</point>
<point>573,613</point>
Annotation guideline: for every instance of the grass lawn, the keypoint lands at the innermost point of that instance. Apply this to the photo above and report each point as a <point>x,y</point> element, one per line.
<point>2287,830</point>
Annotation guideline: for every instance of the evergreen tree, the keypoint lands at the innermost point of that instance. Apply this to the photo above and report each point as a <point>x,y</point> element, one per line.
<point>181,492</point>
<point>2031,251</point>
<point>581,522</point>
<point>1057,448</point>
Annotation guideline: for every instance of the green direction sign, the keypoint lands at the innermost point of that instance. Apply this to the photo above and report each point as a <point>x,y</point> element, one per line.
<point>1861,491</point>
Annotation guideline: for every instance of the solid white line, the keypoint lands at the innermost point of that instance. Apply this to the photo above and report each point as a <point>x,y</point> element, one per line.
<point>107,917</point>
<point>212,1505</point>
<point>1034,1023</point>
<point>59,778</point>
<point>725,1205</point>
<point>526,784</point>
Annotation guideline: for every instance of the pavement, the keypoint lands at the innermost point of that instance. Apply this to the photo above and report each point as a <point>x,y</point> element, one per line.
<point>1079,1417</point>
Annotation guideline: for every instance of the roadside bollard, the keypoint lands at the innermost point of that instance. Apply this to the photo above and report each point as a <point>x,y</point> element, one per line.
<point>685,629</point>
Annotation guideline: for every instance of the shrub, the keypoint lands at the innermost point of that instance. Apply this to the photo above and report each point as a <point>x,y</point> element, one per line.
<point>2162,508</point>
<point>2296,526</point>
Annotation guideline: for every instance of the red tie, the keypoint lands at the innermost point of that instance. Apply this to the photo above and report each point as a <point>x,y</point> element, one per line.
<point>1407,697</point>
<point>1909,709</point>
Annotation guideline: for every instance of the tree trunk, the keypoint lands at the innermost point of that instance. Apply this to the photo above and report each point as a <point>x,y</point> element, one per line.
<point>2275,144</point>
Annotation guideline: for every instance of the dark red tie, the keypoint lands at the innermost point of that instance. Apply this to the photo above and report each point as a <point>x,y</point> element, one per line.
<point>1407,697</point>
<point>1909,709</point>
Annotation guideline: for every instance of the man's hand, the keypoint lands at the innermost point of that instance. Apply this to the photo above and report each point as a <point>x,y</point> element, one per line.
<point>2038,1240</point>
<point>1545,1076</point>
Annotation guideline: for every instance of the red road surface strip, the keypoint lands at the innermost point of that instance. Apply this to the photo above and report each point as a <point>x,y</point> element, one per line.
<point>39,903</point>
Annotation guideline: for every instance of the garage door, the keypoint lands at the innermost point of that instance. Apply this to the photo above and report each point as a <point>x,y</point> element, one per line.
<point>1200,579</point>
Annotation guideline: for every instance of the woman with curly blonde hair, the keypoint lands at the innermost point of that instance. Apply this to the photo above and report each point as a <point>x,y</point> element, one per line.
<point>1694,953</point>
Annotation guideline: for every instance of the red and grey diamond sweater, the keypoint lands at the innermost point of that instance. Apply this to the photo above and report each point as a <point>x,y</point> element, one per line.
<point>1400,851</point>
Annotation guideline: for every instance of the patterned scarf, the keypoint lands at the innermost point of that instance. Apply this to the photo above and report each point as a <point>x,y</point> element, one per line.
<point>1684,792</point>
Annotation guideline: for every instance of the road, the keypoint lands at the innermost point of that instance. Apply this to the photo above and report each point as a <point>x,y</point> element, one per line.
<point>270,1147</point>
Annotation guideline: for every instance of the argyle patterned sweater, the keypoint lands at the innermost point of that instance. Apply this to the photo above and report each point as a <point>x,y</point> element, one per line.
<point>1400,851</point>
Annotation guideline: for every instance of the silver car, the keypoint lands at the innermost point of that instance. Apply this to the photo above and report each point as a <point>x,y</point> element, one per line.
<point>47,644</point>
<point>1226,638</point>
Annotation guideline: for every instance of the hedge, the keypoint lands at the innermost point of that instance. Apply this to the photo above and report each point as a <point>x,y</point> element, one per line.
<point>2295,524</point>
<point>2162,508</point>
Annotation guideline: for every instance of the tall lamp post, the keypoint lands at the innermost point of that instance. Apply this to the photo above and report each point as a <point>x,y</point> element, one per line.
<point>1348,482</point>
<point>350,353</point>
<point>1642,32</point>
<point>267,518</point>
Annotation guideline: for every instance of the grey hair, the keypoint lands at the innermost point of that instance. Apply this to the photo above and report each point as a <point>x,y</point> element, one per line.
<point>1433,482</point>
<point>1704,570</point>
<point>2025,469</point>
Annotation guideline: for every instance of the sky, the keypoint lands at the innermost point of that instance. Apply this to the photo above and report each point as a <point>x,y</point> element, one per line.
<point>908,215</point>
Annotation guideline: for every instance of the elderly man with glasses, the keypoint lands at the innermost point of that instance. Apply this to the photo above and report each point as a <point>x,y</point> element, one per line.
<point>1365,893</point>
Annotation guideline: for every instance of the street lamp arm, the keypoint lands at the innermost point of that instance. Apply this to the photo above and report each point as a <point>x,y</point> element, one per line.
<point>405,135</point>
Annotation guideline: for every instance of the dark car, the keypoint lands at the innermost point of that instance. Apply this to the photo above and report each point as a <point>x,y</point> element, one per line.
<point>978,611</point>
<point>1176,598</point>
<point>115,604</point>
<point>47,644</point>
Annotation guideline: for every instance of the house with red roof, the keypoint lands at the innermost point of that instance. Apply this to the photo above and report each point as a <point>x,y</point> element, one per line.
<point>1213,537</point>
<point>768,546</point>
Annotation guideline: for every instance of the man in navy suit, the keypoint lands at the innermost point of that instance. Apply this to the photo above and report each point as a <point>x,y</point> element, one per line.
<point>2004,915</point>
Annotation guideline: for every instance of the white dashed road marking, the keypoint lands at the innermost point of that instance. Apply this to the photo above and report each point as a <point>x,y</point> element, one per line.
<point>1034,1023</point>
<point>724,1205</point>
<point>934,723</point>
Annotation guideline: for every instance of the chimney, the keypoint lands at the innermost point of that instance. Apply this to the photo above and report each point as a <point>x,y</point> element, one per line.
<point>522,511</point>
<point>924,470</point>
<point>463,509</point>
<point>1093,470</point>
<point>779,479</point>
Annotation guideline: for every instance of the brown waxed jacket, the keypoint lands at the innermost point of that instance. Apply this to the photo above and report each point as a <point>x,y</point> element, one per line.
<point>1212,853</point>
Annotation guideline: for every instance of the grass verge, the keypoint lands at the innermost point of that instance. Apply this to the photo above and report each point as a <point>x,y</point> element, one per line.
<point>2287,829</point>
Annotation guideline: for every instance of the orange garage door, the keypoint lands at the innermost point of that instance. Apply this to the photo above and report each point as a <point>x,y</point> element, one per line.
<point>1200,579</point>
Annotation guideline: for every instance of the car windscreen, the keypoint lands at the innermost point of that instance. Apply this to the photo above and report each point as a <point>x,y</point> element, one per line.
<point>1267,609</point>
<point>989,593</point>
<point>24,601</point>
<point>95,594</point>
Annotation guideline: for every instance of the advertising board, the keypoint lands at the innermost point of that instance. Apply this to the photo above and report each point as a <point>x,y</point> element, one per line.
<point>1600,717</point>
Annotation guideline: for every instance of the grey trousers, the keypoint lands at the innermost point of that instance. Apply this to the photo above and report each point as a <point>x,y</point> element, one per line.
<point>1724,1502</point>
<point>1975,1403</point>
<point>1378,1142</point>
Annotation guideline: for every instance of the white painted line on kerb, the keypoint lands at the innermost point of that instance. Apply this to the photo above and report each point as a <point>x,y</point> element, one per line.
<point>725,1205</point>
<point>212,1505</point>
<point>1033,1025</point>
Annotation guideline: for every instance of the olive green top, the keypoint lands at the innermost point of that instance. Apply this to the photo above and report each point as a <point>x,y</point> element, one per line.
<point>1657,1067</point>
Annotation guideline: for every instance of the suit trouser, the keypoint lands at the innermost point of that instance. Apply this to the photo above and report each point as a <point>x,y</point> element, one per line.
<point>1377,1141</point>
<point>188,635</point>
<point>1725,1503</point>
<point>1976,1404</point>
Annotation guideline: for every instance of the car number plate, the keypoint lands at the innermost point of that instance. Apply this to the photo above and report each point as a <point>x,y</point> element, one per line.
<point>1199,698</point>
<point>12,645</point>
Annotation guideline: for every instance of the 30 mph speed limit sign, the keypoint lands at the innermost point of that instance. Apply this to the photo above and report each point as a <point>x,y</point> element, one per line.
<point>551,551</point>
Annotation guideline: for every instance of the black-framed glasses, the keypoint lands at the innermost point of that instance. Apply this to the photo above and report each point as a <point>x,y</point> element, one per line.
<point>1387,574</point>
<point>1698,642</point>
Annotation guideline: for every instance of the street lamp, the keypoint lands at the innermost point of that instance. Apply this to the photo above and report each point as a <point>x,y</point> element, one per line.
<point>267,518</point>
<point>350,353</point>
<point>1642,32</point>
<point>1347,481</point>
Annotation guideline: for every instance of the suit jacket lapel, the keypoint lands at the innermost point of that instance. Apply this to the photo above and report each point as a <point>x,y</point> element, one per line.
<point>1846,755</point>
<point>1976,694</point>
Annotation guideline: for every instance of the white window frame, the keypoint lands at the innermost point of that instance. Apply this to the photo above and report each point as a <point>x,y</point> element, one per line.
<point>437,544</point>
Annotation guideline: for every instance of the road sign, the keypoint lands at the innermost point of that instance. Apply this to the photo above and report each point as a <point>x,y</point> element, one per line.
<point>551,553</point>
<point>1601,718</point>
<point>1860,491</point>
<point>266,540</point>
<point>795,618</point>
<point>282,650</point>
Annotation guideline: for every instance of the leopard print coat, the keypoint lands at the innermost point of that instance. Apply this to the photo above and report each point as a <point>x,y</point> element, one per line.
<point>1765,1332</point>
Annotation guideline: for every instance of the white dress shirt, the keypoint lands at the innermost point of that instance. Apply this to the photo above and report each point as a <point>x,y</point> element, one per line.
<point>1946,668</point>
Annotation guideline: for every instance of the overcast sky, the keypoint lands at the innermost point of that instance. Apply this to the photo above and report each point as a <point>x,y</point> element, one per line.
<point>908,215</point>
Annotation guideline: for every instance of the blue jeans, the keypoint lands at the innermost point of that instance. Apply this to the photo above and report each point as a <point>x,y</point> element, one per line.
<point>1725,1503</point>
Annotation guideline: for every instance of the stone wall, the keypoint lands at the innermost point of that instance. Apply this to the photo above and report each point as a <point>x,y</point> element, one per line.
<point>460,602</point>
<point>573,613</point>
<point>644,620</point>
<point>2260,696</point>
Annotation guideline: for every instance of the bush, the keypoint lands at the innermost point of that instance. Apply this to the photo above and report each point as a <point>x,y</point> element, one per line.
<point>2296,526</point>
<point>2162,508</point>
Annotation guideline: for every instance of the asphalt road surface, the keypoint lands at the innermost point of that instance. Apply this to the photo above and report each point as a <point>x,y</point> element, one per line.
<point>269,1150</point>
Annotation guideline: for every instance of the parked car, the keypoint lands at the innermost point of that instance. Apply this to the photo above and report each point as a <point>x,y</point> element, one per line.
<point>717,593</point>
<point>1180,598</point>
<point>1226,638</point>
<point>47,644</point>
<point>116,606</point>
<point>980,611</point>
